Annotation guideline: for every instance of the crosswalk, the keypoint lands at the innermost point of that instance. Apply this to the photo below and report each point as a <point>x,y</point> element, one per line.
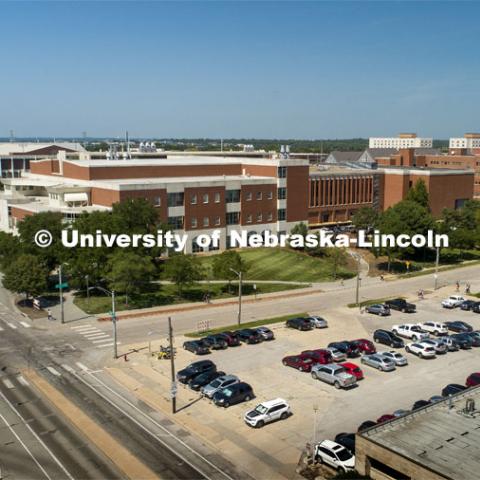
<point>98,338</point>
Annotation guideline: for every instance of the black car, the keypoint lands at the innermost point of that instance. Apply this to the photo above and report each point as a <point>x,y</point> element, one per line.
<point>458,326</point>
<point>231,338</point>
<point>347,440</point>
<point>420,403</point>
<point>198,347</point>
<point>365,425</point>
<point>194,369</point>
<point>474,337</point>
<point>452,389</point>
<point>476,307</point>
<point>463,340</point>
<point>388,338</point>
<point>467,305</point>
<point>299,323</point>
<point>350,349</point>
<point>196,383</point>
<point>215,342</point>
<point>248,335</point>
<point>401,305</point>
<point>236,393</point>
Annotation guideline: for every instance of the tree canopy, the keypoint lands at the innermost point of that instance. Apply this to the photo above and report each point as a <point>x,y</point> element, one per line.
<point>27,275</point>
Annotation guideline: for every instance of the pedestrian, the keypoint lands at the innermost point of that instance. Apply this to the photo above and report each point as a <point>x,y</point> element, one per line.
<point>457,286</point>
<point>49,315</point>
<point>467,288</point>
<point>382,278</point>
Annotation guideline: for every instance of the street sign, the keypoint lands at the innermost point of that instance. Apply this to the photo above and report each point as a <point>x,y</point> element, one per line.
<point>61,285</point>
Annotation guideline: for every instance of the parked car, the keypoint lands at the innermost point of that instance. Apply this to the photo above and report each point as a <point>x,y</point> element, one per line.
<point>379,362</point>
<point>333,374</point>
<point>451,344</point>
<point>198,347</point>
<point>385,418</point>
<point>236,393</point>
<point>452,389</point>
<point>435,399</point>
<point>459,326</point>
<point>318,322</point>
<point>420,404</point>
<point>267,412</point>
<point>248,335</point>
<point>301,362</point>
<point>473,380</point>
<point>468,304</point>
<point>194,369</point>
<point>347,440</point>
<point>402,305</point>
<point>410,330</point>
<point>440,347</point>
<point>396,357</point>
<point>219,384</point>
<point>321,355</point>
<point>475,337</point>
<point>337,355</point>
<point>463,340</point>
<point>434,327</point>
<point>378,309</point>
<point>299,323</point>
<point>400,413</point>
<point>215,342</point>
<point>353,369</point>
<point>334,455</point>
<point>196,383</point>
<point>265,333</point>
<point>365,425</point>
<point>453,301</point>
<point>346,347</point>
<point>388,338</point>
<point>422,350</point>
<point>476,307</point>
<point>364,345</point>
<point>231,338</point>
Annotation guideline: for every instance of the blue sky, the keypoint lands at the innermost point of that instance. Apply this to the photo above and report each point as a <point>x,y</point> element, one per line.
<point>239,69</point>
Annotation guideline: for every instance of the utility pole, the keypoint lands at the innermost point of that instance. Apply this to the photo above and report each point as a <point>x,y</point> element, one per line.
<point>357,289</point>
<point>114,324</point>
<point>60,290</point>
<point>239,298</point>
<point>173,391</point>
<point>437,261</point>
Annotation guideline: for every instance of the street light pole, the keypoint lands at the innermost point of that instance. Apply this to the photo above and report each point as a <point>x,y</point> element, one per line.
<point>239,314</point>
<point>437,261</point>
<point>60,290</point>
<point>114,322</point>
<point>172,366</point>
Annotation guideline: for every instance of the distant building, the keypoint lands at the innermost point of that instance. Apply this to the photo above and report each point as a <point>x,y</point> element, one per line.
<point>469,142</point>
<point>404,140</point>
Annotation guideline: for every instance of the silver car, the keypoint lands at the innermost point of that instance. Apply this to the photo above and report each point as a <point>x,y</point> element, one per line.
<point>380,362</point>
<point>334,374</point>
<point>318,322</point>
<point>438,345</point>
<point>337,355</point>
<point>451,344</point>
<point>396,357</point>
<point>219,384</point>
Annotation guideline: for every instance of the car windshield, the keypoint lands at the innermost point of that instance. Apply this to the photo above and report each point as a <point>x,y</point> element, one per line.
<point>344,454</point>
<point>339,370</point>
<point>261,409</point>
<point>227,392</point>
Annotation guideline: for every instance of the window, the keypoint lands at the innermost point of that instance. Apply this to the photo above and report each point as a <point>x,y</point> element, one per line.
<point>248,196</point>
<point>193,222</point>
<point>217,221</point>
<point>270,195</point>
<point>175,199</point>
<point>157,201</point>
<point>259,195</point>
<point>269,216</point>
<point>217,197</point>
<point>282,172</point>
<point>206,221</point>
<point>193,199</point>
<point>176,223</point>
<point>205,198</point>
<point>196,247</point>
<point>259,217</point>
<point>282,214</point>
<point>232,196</point>
<point>249,218</point>
<point>282,193</point>
<point>233,218</point>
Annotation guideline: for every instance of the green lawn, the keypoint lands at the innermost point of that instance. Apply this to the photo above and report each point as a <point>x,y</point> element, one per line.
<point>167,295</point>
<point>282,264</point>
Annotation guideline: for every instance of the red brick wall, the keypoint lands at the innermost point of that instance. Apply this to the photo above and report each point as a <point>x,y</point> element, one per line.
<point>200,210</point>
<point>297,193</point>
<point>20,214</point>
<point>254,206</point>
<point>103,196</point>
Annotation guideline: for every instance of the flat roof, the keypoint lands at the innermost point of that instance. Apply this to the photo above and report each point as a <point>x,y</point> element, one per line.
<point>442,436</point>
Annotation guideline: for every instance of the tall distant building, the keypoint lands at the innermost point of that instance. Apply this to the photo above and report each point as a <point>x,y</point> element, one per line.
<point>469,141</point>
<point>404,140</point>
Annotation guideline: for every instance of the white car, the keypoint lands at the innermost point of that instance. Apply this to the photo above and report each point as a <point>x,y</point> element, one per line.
<point>399,359</point>
<point>453,301</point>
<point>434,327</point>
<point>409,330</point>
<point>423,350</point>
<point>318,322</point>
<point>267,412</point>
<point>335,455</point>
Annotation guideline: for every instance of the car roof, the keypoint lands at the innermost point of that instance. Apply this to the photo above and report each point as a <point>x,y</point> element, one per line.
<point>273,403</point>
<point>332,445</point>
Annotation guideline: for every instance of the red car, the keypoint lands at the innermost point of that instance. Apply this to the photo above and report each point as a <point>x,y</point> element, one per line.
<point>353,369</point>
<point>300,362</point>
<point>385,418</point>
<point>365,346</point>
<point>321,356</point>
<point>473,380</point>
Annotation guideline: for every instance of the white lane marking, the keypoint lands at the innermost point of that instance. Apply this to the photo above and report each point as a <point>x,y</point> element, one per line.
<point>8,383</point>
<point>96,335</point>
<point>103,340</point>
<point>57,461</point>
<point>82,366</point>
<point>90,330</point>
<point>54,372</point>
<point>25,324</point>
<point>11,325</point>
<point>107,345</point>
<point>81,327</point>
<point>25,447</point>
<point>22,380</point>
<point>68,368</point>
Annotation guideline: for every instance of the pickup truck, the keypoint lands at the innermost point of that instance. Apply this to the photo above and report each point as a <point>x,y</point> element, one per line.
<point>410,330</point>
<point>334,374</point>
<point>453,301</point>
<point>434,327</point>
<point>402,305</point>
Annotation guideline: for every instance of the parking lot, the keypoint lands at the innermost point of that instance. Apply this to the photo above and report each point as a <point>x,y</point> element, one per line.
<point>277,446</point>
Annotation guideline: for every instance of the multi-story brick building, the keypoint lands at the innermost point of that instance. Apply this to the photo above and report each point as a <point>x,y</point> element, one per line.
<point>404,140</point>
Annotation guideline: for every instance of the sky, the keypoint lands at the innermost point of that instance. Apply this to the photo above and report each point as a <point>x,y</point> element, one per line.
<point>307,70</point>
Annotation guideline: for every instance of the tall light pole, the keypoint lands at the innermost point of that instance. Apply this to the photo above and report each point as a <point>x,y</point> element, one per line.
<point>60,291</point>
<point>239,315</point>
<point>435,276</point>
<point>173,391</point>
<point>114,317</point>
<point>357,289</point>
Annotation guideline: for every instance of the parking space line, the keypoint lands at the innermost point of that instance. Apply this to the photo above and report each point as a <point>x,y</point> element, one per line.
<point>68,368</point>
<point>8,383</point>
<point>82,366</point>
<point>11,325</point>
<point>21,379</point>
<point>25,324</point>
<point>53,371</point>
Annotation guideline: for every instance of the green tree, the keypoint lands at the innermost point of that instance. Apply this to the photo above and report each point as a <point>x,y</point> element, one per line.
<point>183,270</point>
<point>10,248</point>
<point>226,264</point>
<point>27,275</point>
<point>134,216</point>
<point>302,230</point>
<point>366,218</point>
<point>129,272</point>
<point>419,194</point>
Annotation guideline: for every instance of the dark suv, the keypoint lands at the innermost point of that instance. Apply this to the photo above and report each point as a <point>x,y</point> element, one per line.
<point>236,393</point>
<point>388,338</point>
<point>248,335</point>
<point>215,342</point>
<point>231,338</point>
<point>194,369</point>
<point>299,323</point>
<point>198,347</point>
<point>350,349</point>
<point>401,305</point>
